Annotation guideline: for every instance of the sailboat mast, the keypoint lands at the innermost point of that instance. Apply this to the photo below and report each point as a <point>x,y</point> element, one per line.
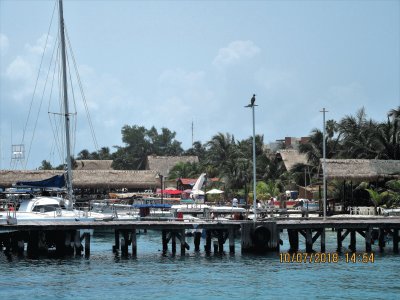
<point>66,110</point>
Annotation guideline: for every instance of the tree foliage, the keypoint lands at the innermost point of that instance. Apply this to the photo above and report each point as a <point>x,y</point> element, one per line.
<point>354,136</point>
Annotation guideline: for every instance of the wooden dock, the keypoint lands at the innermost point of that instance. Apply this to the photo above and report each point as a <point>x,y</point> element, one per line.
<point>73,237</point>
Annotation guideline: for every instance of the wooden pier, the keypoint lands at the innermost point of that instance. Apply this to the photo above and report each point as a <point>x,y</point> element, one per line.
<point>263,236</point>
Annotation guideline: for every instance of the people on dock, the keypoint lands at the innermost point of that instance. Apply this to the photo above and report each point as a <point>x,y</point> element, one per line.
<point>235,202</point>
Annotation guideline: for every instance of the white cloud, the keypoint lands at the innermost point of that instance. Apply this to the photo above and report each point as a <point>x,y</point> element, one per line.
<point>19,69</point>
<point>352,94</point>
<point>4,43</point>
<point>235,52</point>
<point>43,43</point>
<point>181,77</point>
<point>272,79</point>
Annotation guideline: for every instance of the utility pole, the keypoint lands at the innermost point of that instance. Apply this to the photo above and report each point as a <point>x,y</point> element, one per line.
<point>324,159</point>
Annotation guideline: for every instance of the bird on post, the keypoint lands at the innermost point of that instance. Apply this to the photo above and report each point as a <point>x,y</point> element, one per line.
<point>252,101</point>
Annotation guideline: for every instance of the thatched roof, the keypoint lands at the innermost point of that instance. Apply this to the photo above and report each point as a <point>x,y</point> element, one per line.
<point>92,164</point>
<point>88,178</point>
<point>291,157</point>
<point>163,164</point>
<point>362,169</point>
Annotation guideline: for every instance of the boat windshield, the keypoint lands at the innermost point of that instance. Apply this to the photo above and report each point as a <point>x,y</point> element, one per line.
<point>46,208</point>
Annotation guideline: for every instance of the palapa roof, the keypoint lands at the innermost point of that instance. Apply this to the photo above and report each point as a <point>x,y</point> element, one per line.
<point>91,164</point>
<point>362,169</point>
<point>291,157</point>
<point>163,164</point>
<point>87,178</point>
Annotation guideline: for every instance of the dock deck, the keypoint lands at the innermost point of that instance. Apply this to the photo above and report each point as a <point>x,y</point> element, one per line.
<point>263,235</point>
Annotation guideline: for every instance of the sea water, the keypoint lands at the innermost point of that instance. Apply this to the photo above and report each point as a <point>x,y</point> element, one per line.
<point>150,275</point>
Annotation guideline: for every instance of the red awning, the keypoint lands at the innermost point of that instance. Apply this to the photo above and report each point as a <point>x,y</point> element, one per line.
<point>169,192</point>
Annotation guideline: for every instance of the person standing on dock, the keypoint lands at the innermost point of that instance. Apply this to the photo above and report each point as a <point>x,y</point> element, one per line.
<point>235,202</point>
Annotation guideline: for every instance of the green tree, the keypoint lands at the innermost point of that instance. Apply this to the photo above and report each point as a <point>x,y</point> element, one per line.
<point>184,170</point>
<point>377,198</point>
<point>359,137</point>
<point>222,154</point>
<point>84,154</point>
<point>198,149</point>
<point>46,165</point>
<point>393,188</point>
<point>140,142</point>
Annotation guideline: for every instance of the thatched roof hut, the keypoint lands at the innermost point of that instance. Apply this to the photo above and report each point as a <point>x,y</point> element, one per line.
<point>163,164</point>
<point>87,178</point>
<point>362,169</point>
<point>291,157</point>
<point>91,164</point>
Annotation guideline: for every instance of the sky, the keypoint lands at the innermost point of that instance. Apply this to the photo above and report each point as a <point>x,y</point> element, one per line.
<point>174,63</point>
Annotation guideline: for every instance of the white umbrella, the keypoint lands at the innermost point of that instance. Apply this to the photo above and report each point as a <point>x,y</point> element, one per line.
<point>215,191</point>
<point>197,192</point>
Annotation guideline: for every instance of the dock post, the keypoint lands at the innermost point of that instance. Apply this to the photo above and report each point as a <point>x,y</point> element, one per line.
<point>231,240</point>
<point>173,242</point>
<point>60,243</point>
<point>33,243</point>
<point>7,244</point>
<point>353,242</point>
<point>197,238</point>
<point>382,242</point>
<point>77,243</point>
<point>21,247</point>
<point>368,232</point>
<point>69,249</point>
<point>183,243</point>
<point>14,242</point>
<point>293,240</point>
<point>309,242</point>
<point>215,245</point>
<point>87,244</point>
<point>134,241</point>
<point>339,240</point>
<point>220,241</point>
<point>125,242</point>
<point>116,241</point>
<point>395,241</point>
<point>323,240</point>
<point>164,241</point>
<point>208,242</point>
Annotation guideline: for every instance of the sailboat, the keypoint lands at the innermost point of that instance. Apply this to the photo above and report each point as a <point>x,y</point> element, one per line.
<point>54,207</point>
<point>197,194</point>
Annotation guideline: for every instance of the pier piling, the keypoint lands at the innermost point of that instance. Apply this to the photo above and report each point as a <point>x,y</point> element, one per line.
<point>134,241</point>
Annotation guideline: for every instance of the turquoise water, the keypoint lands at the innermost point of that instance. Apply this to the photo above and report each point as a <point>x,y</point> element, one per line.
<point>195,276</point>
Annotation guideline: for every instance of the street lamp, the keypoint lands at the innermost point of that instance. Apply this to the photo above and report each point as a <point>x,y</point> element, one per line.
<point>161,177</point>
<point>252,105</point>
<point>324,159</point>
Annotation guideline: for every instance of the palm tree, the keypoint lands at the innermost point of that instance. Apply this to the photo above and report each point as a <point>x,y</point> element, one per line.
<point>388,136</point>
<point>184,170</point>
<point>377,198</point>
<point>393,187</point>
<point>222,154</point>
<point>359,137</point>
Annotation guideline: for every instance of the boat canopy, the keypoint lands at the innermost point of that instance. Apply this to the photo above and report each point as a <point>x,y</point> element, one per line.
<point>152,205</point>
<point>57,181</point>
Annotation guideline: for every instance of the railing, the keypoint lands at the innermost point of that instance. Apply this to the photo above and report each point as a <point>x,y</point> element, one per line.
<point>362,210</point>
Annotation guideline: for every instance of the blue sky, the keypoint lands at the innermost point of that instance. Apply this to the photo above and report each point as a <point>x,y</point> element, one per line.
<point>168,63</point>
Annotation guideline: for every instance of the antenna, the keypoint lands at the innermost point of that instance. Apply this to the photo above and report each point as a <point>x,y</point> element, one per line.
<point>192,134</point>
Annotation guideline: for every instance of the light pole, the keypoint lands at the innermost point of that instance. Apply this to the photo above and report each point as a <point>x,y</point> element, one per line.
<point>324,158</point>
<point>161,181</point>
<point>252,105</point>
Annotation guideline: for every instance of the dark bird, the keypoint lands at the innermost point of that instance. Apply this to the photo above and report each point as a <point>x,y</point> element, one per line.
<point>253,99</point>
